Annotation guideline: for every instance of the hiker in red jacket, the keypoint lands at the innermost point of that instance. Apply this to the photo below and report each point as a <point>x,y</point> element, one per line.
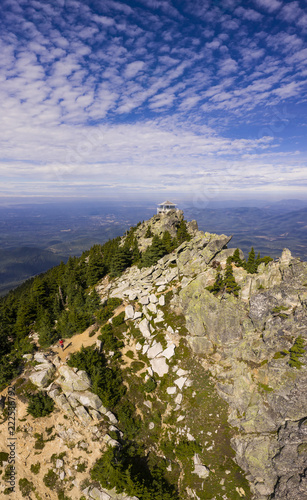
<point>61,342</point>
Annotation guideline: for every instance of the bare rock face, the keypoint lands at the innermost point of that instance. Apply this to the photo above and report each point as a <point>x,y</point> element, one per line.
<point>194,256</point>
<point>245,343</point>
<point>261,304</point>
<point>219,321</point>
<point>42,374</point>
<point>89,399</point>
<point>73,381</point>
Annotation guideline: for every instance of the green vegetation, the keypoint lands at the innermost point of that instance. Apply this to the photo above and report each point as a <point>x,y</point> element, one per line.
<point>252,263</point>
<point>225,284</point>
<point>57,456</point>
<point>297,351</point>
<point>109,340</point>
<point>153,253</point>
<point>35,468</point>
<point>62,496</point>
<point>62,301</point>
<point>148,233</point>
<point>106,379</point>
<point>40,405</point>
<point>25,487</point>
<point>50,479</point>
<point>150,385</point>
<point>119,319</point>
<point>164,245</point>
<point>39,443</point>
<point>265,387</point>
<point>229,281</point>
<point>137,366</point>
<point>277,311</point>
<point>186,449</point>
<point>130,354</point>
<point>81,467</point>
<point>127,471</point>
<point>3,457</point>
<point>280,354</point>
<point>107,310</point>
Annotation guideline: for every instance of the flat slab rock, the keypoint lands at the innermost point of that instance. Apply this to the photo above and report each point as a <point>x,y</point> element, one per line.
<point>129,312</point>
<point>201,470</point>
<point>159,366</point>
<point>154,350</point>
<point>144,327</point>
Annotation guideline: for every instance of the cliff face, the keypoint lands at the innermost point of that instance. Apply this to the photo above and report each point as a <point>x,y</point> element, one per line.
<point>244,342</point>
<point>224,370</point>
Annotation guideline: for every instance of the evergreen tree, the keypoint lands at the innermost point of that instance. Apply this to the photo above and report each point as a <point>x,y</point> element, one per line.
<point>136,254</point>
<point>237,259</point>
<point>47,333</point>
<point>96,268</point>
<point>182,232</point>
<point>39,293</point>
<point>251,266</point>
<point>40,405</point>
<point>25,319</point>
<point>218,284</point>
<point>168,242</point>
<point>92,301</point>
<point>229,281</point>
<point>148,233</point>
<point>153,253</point>
<point>258,260</point>
<point>121,260</point>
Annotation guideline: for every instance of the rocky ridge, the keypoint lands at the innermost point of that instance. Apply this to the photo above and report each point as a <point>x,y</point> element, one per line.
<point>243,342</point>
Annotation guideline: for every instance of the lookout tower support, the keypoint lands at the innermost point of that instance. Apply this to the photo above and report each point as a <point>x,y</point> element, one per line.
<point>165,207</point>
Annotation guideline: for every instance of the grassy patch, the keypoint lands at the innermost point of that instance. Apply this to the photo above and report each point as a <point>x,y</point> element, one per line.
<point>265,387</point>
<point>50,479</point>
<point>136,366</point>
<point>297,351</point>
<point>280,354</point>
<point>130,354</point>
<point>25,486</point>
<point>39,443</point>
<point>35,468</point>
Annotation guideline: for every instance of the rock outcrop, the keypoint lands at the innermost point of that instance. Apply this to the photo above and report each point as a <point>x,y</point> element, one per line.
<point>244,342</point>
<point>196,347</point>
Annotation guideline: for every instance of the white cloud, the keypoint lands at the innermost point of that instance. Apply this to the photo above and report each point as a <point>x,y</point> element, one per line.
<point>228,66</point>
<point>269,5</point>
<point>62,70</point>
<point>133,68</point>
<point>290,11</point>
<point>104,20</point>
<point>249,14</point>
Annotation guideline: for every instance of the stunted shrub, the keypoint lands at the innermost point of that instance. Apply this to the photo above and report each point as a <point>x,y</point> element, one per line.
<point>40,405</point>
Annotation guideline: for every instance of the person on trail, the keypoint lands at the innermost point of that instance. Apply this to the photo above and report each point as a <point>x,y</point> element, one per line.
<point>61,342</point>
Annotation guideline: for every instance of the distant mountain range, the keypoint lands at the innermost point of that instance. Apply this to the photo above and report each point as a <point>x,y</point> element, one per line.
<point>19,264</point>
<point>268,230</point>
<point>35,237</point>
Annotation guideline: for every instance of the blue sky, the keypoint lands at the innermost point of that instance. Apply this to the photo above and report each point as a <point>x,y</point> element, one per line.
<point>194,99</point>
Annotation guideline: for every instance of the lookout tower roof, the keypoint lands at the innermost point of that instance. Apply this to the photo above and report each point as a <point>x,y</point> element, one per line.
<point>167,203</point>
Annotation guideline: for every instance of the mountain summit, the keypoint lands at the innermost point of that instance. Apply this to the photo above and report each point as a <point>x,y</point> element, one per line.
<point>183,372</point>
